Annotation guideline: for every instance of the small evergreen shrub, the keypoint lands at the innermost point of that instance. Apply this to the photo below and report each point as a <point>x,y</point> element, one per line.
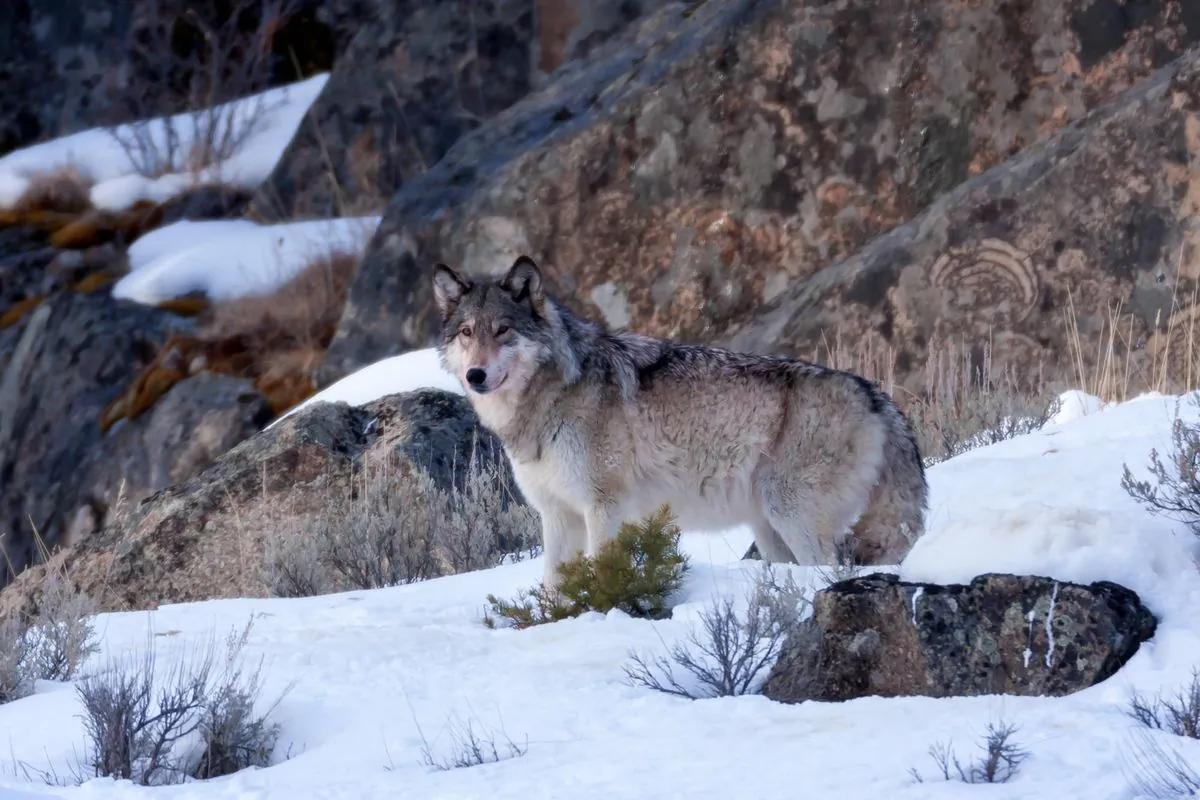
<point>636,572</point>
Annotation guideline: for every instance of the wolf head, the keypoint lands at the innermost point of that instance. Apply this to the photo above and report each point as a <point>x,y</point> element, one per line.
<point>496,333</point>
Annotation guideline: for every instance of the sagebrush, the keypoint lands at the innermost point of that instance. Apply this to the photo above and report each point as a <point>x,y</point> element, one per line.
<point>999,762</point>
<point>194,716</point>
<point>470,747</point>
<point>394,525</point>
<point>187,66</point>
<point>730,651</point>
<point>51,644</point>
<point>637,572</point>
<point>1173,489</point>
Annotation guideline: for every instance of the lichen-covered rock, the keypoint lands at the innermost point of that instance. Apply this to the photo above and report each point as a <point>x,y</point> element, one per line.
<point>60,364</point>
<point>205,537</point>
<point>1099,219</point>
<point>1000,634</point>
<point>198,420</point>
<point>718,154</point>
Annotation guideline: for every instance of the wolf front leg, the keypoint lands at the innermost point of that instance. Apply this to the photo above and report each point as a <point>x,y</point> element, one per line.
<point>564,536</point>
<point>602,523</point>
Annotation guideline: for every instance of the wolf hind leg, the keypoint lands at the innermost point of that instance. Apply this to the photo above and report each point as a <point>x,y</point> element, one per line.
<point>888,528</point>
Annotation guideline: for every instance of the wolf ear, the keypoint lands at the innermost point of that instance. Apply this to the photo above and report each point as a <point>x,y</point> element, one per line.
<point>448,288</point>
<point>524,282</point>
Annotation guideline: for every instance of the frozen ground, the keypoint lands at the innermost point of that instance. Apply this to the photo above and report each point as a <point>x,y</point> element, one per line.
<point>228,259</point>
<point>372,671</point>
<point>264,124</point>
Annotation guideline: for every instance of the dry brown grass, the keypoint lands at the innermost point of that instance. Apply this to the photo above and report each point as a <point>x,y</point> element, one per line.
<point>967,400</point>
<point>66,189</point>
<point>1115,365</point>
<point>278,341</point>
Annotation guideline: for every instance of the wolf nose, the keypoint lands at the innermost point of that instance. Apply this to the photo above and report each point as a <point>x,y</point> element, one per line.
<point>476,376</point>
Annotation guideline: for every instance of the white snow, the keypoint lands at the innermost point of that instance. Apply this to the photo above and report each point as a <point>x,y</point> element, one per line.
<point>228,259</point>
<point>419,369</point>
<point>269,119</point>
<point>374,672</point>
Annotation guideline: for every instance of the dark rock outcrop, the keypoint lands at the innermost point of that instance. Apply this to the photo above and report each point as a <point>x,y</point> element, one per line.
<point>204,537</point>
<point>66,67</point>
<point>1000,634</point>
<point>60,365</point>
<point>719,154</point>
<point>417,75</point>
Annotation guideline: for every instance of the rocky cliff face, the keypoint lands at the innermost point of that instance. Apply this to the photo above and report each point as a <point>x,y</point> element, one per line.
<point>1097,222</point>
<point>720,155</point>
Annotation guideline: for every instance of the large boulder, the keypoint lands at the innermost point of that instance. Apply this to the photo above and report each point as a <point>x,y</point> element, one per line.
<point>206,536</point>
<point>1096,225</point>
<point>1000,634</point>
<point>716,154</point>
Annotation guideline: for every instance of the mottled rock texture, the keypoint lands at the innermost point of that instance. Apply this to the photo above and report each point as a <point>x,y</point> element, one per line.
<point>1000,634</point>
<point>204,537</point>
<point>418,75</point>
<point>60,365</point>
<point>1100,219</point>
<point>720,154</point>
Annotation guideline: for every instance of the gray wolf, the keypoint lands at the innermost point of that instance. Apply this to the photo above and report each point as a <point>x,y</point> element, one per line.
<point>604,427</point>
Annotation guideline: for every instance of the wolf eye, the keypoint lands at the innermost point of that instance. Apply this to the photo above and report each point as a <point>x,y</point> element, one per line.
<point>465,332</point>
<point>501,330</point>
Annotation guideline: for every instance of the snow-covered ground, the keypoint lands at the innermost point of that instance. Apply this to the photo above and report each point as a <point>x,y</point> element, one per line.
<point>228,259</point>
<point>375,672</point>
<point>265,123</point>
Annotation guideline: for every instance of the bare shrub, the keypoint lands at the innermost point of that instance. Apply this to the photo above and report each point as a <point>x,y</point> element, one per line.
<point>16,679</point>
<point>190,65</point>
<point>234,736</point>
<point>1156,771</point>
<point>51,644</point>
<point>1174,487</point>
<point>63,634</point>
<point>729,651</point>
<point>1000,762</point>
<point>139,716</point>
<point>1179,715</point>
<point>471,748</point>
<point>637,572</point>
<point>395,525</point>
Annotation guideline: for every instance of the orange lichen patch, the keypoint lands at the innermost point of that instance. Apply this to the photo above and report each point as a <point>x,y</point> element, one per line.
<point>18,310</point>
<point>95,281</point>
<point>277,342</point>
<point>191,306</point>
<point>147,388</point>
<point>36,218</point>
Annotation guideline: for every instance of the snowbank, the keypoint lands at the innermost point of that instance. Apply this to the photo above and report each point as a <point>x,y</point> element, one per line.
<point>419,369</point>
<point>228,259</point>
<point>271,119</point>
